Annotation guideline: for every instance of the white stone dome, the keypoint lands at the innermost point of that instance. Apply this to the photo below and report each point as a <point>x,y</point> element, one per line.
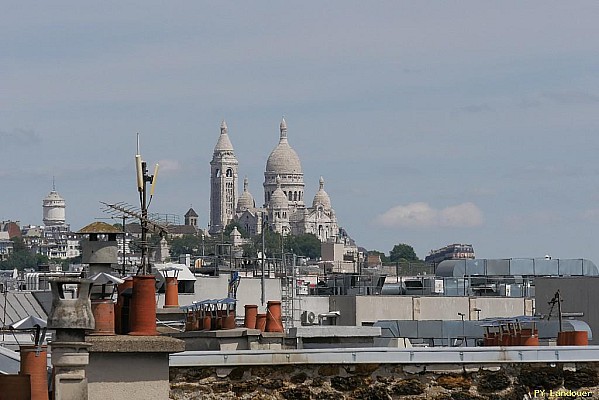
<point>283,160</point>
<point>321,197</point>
<point>246,200</point>
<point>278,199</point>
<point>223,143</point>
<point>53,196</point>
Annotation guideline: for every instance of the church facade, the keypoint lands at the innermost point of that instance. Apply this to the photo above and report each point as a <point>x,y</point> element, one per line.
<point>284,209</point>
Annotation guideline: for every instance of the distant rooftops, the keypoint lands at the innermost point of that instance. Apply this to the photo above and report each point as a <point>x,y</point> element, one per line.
<point>454,251</point>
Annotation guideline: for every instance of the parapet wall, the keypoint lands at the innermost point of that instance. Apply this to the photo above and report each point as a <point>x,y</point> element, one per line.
<point>387,381</point>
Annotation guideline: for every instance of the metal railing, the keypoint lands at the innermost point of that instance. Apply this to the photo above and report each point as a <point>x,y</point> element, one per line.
<point>387,355</point>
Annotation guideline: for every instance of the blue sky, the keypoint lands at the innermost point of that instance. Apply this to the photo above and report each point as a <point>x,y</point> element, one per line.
<point>431,122</point>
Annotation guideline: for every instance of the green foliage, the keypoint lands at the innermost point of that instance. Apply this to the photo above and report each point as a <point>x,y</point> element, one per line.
<point>306,245</point>
<point>18,245</point>
<point>272,243</point>
<point>229,229</point>
<point>249,250</point>
<point>403,252</point>
<point>22,257</point>
<point>186,244</point>
<point>67,262</point>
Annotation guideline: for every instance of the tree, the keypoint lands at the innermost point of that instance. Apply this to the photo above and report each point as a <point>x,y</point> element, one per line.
<point>18,245</point>
<point>306,245</point>
<point>22,257</point>
<point>229,229</point>
<point>403,252</point>
<point>186,244</point>
<point>272,243</point>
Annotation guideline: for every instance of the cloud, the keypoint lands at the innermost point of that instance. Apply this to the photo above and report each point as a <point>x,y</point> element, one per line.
<point>571,97</point>
<point>167,167</point>
<point>19,137</point>
<point>421,214</point>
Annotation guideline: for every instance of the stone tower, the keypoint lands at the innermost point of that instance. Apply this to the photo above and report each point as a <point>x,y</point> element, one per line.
<point>191,218</point>
<point>54,209</point>
<point>223,183</point>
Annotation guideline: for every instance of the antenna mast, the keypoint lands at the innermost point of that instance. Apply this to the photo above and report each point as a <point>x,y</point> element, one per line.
<point>142,179</point>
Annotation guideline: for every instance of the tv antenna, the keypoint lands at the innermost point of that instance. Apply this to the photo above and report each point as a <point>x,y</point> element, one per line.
<point>141,213</point>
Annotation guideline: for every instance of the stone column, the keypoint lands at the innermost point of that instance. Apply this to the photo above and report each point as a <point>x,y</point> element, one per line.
<point>70,360</point>
<point>70,318</point>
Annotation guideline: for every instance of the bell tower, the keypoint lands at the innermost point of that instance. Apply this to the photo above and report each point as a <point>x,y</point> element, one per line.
<point>223,182</point>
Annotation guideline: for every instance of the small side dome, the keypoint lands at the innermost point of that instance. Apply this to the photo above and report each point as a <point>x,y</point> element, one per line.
<point>321,197</point>
<point>278,199</point>
<point>246,200</point>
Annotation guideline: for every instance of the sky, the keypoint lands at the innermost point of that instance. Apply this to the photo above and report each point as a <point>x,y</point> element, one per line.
<point>431,122</point>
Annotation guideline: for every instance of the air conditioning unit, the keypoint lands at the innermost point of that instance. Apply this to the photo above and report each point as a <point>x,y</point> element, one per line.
<point>308,318</point>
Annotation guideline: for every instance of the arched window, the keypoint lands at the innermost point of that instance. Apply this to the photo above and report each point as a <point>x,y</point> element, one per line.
<point>290,196</point>
<point>229,173</point>
<point>217,173</point>
<point>294,196</point>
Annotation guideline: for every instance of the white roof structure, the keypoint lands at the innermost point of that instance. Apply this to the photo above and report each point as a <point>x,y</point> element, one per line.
<point>184,273</point>
<point>321,197</point>
<point>246,200</point>
<point>224,143</point>
<point>283,159</point>
<point>278,199</point>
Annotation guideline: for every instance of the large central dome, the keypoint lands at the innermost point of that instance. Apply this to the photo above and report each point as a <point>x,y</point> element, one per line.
<point>283,159</point>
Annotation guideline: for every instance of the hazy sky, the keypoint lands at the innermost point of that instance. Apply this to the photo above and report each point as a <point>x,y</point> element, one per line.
<point>431,122</point>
